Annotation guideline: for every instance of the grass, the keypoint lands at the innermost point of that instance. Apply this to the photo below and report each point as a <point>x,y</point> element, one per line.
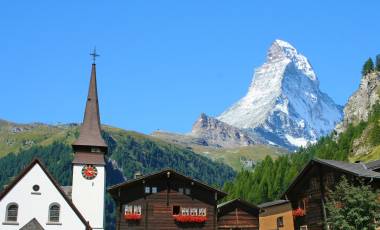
<point>232,157</point>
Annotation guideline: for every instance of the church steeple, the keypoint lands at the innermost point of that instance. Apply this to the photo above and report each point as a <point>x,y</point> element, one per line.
<point>89,174</point>
<point>90,132</point>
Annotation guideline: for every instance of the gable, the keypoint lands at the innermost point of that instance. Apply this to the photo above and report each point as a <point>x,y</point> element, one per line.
<point>35,203</point>
<point>135,189</point>
<point>32,225</point>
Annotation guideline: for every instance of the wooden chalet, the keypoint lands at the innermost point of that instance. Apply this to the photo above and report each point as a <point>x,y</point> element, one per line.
<point>238,214</point>
<point>308,192</point>
<point>165,200</point>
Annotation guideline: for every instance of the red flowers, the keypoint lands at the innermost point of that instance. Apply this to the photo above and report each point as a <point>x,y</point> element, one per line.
<point>190,219</point>
<point>298,212</point>
<point>132,217</point>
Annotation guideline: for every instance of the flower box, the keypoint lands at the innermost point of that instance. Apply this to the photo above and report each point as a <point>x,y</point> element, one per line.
<point>190,219</point>
<point>298,212</point>
<point>132,217</point>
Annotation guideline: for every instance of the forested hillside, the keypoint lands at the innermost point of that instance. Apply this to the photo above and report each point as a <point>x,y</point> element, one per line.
<point>271,177</point>
<point>128,152</point>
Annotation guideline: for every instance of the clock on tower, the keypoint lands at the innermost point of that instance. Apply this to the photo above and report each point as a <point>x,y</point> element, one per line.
<point>88,186</point>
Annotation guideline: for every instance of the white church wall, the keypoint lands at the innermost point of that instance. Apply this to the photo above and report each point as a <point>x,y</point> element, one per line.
<point>88,196</point>
<point>37,206</point>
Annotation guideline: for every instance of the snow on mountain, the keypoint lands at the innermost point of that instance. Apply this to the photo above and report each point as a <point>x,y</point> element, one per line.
<point>284,103</point>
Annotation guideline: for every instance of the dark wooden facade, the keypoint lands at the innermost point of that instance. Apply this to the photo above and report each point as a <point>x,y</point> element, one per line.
<point>162,197</point>
<point>309,190</point>
<point>238,215</point>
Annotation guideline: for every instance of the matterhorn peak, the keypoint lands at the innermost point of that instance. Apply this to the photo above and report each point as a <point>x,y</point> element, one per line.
<point>281,50</point>
<point>284,103</point>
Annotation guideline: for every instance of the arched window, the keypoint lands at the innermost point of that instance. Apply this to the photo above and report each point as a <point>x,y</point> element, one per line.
<point>12,210</point>
<point>54,210</point>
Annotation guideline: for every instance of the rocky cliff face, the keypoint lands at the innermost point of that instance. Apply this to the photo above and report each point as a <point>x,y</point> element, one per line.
<point>360,103</point>
<point>214,132</point>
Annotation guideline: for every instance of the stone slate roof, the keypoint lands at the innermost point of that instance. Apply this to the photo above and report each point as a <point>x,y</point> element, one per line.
<point>358,169</point>
<point>373,165</point>
<point>32,225</point>
<point>272,203</point>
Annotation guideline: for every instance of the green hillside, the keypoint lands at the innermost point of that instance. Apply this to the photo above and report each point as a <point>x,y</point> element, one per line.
<point>238,157</point>
<point>128,152</point>
<point>271,177</point>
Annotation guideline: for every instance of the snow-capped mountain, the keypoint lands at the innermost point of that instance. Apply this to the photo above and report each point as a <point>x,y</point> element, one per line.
<point>284,104</point>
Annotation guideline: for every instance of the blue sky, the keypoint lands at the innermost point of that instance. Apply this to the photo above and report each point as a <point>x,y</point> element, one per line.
<point>164,62</point>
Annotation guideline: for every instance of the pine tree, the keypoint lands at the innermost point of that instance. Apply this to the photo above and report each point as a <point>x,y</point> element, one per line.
<point>368,67</point>
<point>378,62</point>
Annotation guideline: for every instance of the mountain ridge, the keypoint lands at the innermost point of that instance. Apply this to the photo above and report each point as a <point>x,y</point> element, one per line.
<point>284,103</point>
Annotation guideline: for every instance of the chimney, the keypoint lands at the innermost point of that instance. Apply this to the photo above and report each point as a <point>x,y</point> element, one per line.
<point>137,175</point>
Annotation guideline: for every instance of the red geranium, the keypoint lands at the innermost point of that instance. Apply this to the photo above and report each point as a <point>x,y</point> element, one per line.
<point>190,219</point>
<point>299,212</point>
<point>132,217</point>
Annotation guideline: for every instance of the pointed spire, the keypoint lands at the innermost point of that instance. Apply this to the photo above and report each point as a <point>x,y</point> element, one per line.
<point>90,132</point>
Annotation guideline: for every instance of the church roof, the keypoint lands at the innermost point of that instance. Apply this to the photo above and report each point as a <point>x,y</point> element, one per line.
<point>55,183</point>
<point>32,225</point>
<point>90,132</point>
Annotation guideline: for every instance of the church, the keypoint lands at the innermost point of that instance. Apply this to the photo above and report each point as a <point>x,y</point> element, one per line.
<point>35,201</point>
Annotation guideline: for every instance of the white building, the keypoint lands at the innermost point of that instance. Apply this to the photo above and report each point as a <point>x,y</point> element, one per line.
<point>35,198</point>
<point>35,201</point>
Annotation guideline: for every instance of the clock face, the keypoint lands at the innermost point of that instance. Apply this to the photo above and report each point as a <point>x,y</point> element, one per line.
<point>89,172</point>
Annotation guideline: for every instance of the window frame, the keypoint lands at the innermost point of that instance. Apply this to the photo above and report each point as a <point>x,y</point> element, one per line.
<point>50,213</point>
<point>7,212</point>
<point>176,210</point>
<point>280,222</point>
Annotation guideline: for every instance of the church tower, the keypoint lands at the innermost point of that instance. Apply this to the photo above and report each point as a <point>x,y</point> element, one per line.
<point>89,174</point>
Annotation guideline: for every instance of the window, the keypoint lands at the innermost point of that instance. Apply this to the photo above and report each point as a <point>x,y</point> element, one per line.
<point>95,150</point>
<point>185,211</point>
<point>176,210</point>
<point>132,209</point>
<point>128,209</point>
<point>193,212</point>
<point>147,190</point>
<point>154,189</point>
<point>36,187</point>
<point>54,213</point>
<point>137,209</point>
<point>280,222</point>
<point>12,211</point>
<point>202,211</point>
<point>185,191</point>
<point>302,204</point>
<point>303,227</point>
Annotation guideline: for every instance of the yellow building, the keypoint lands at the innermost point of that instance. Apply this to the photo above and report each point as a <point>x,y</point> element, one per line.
<point>276,215</point>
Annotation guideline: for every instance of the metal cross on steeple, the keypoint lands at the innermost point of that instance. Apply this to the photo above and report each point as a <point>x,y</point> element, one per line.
<point>94,55</point>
